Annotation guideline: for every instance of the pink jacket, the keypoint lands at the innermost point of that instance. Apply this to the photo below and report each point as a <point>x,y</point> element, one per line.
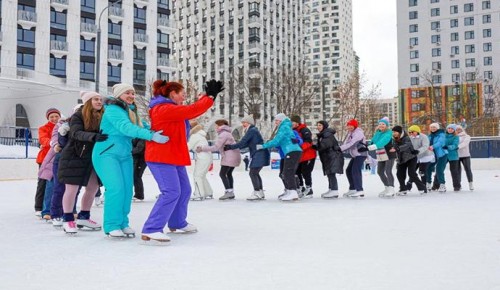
<point>45,171</point>
<point>230,158</point>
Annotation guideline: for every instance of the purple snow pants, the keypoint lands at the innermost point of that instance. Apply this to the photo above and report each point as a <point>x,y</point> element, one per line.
<point>171,206</point>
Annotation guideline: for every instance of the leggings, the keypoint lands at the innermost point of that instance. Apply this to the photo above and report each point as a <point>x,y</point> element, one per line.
<point>226,174</point>
<point>87,199</point>
<point>465,161</point>
<point>384,170</point>
<point>256,179</point>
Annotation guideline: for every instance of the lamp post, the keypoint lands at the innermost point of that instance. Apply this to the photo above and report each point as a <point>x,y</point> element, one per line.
<point>231,96</point>
<point>98,46</point>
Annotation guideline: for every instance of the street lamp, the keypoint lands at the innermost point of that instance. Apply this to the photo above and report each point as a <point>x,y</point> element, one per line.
<point>98,46</point>
<point>231,93</point>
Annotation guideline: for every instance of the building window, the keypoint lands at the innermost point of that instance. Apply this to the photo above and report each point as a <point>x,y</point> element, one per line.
<point>488,60</point>
<point>436,79</point>
<point>487,18</point>
<point>139,56</point>
<point>436,38</point>
<point>413,3</point>
<point>87,70</point>
<point>57,66</point>
<point>469,34</point>
<point>139,15</point>
<point>87,47</point>
<point>454,36</point>
<point>413,15</point>
<point>435,25</point>
<point>470,76</point>
<point>413,28</point>
<point>487,46</point>
<point>417,107</point>
<point>468,21</point>
<point>414,67</point>
<point>470,62</point>
<point>114,73</point>
<point>455,63</point>
<point>469,7</point>
<point>139,76</point>
<point>488,75</point>
<point>435,12</point>
<point>415,81</point>
<point>486,5</point>
<point>58,19</point>
<point>413,41</point>
<point>114,30</point>
<point>414,54</point>
<point>88,5</point>
<point>486,33</point>
<point>453,23</point>
<point>162,39</point>
<point>436,52</point>
<point>25,37</point>
<point>25,60</point>
<point>455,78</point>
<point>163,3</point>
<point>470,48</point>
<point>454,9</point>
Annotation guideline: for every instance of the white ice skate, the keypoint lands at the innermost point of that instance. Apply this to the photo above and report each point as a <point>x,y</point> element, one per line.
<point>38,213</point>
<point>228,195</point>
<point>189,229</point>
<point>383,192</point>
<point>330,194</point>
<point>135,199</point>
<point>256,195</point>
<point>389,193</point>
<point>442,188</point>
<point>128,232</point>
<point>57,223</point>
<point>471,186</point>
<point>348,193</point>
<point>291,195</point>
<point>282,194</point>
<point>88,225</point>
<point>196,196</point>
<point>70,228</point>
<point>429,187</point>
<point>155,239</point>
<point>209,197</point>
<point>402,193</point>
<point>356,194</point>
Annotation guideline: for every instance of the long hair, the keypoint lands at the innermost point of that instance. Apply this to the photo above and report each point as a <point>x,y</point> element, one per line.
<point>134,116</point>
<point>164,88</point>
<point>91,117</point>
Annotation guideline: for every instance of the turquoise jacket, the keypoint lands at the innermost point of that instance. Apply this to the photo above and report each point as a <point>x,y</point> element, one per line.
<point>381,139</point>
<point>437,141</point>
<point>452,141</point>
<point>283,138</point>
<point>116,123</point>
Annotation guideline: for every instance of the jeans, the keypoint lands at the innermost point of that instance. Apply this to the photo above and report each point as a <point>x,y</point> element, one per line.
<point>304,171</point>
<point>47,197</point>
<point>353,172</point>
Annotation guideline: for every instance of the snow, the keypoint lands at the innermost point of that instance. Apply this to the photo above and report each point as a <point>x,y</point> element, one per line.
<point>438,241</point>
<point>18,151</point>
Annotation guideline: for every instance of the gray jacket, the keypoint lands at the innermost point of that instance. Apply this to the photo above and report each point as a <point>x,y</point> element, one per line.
<point>421,143</point>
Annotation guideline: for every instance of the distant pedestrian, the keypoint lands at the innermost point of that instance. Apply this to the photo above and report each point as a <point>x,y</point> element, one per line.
<point>246,161</point>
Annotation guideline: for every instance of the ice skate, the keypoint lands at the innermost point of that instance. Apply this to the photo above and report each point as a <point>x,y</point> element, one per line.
<point>308,192</point>
<point>196,196</point>
<point>291,195</point>
<point>408,186</point>
<point>57,223</point>
<point>256,195</point>
<point>155,239</point>
<point>135,199</point>
<point>209,197</point>
<point>47,218</point>
<point>356,194</point>
<point>422,192</point>
<point>98,201</point>
<point>429,186</point>
<point>189,229</point>
<point>383,192</point>
<point>471,186</point>
<point>457,189</point>
<point>389,193</point>
<point>282,194</point>
<point>348,193</point>
<point>128,232</point>
<point>228,195</point>
<point>116,234</point>
<point>38,213</point>
<point>402,193</point>
<point>442,188</point>
<point>70,228</point>
<point>88,225</point>
<point>330,194</point>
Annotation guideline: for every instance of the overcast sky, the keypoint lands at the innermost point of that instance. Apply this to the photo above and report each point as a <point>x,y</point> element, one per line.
<point>375,42</point>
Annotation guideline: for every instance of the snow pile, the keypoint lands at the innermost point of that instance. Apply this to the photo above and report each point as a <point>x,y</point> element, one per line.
<point>18,151</point>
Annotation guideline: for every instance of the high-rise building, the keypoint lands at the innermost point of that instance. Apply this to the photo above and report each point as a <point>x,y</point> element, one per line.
<point>447,51</point>
<point>236,41</point>
<point>331,56</point>
<point>49,51</point>
<point>373,110</point>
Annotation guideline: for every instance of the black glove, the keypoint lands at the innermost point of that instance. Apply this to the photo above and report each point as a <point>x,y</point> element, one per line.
<point>295,141</point>
<point>99,137</point>
<point>213,88</point>
<point>445,147</point>
<point>415,152</point>
<point>363,149</point>
<point>314,146</point>
<point>226,147</point>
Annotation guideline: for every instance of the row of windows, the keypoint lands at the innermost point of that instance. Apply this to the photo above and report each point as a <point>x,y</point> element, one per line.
<point>468,7</point>
<point>455,63</point>
<point>455,78</point>
<point>436,38</point>
<point>455,50</point>
<point>487,32</point>
<point>89,5</point>
<point>468,21</point>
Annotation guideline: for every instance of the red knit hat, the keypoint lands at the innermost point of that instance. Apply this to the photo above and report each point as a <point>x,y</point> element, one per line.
<point>353,123</point>
<point>51,111</point>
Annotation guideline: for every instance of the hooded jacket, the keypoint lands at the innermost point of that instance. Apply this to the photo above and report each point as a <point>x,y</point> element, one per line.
<point>230,158</point>
<point>331,157</point>
<point>283,138</point>
<point>44,135</point>
<point>382,139</point>
<point>308,152</point>
<point>452,142</point>
<point>463,144</point>
<point>258,158</point>
<point>437,141</point>
<point>352,141</point>
<point>421,143</point>
<point>404,148</point>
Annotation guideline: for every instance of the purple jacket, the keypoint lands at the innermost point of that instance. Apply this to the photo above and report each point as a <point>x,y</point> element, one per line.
<point>230,158</point>
<point>45,171</point>
<point>351,142</point>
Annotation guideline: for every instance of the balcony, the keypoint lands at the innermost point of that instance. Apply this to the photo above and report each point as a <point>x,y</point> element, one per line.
<point>58,48</point>
<point>212,33</point>
<point>115,57</point>
<point>116,14</point>
<point>166,25</point>
<point>254,22</point>
<point>203,71</point>
<point>88,30</point>
<point>166,65</point>
<point>23,73</point>
<point>141,3</point>
<point>59,5</point>
<point>26,19</point>
<point>140,40</point>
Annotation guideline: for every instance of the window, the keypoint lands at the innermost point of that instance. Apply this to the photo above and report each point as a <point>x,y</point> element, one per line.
<point>57,66</point>
<point>468,21</point>
<point>413,28</point>
<point>114,73</point>
<point>413,41</point>
<point>436,52</point>
<point>486,33</point>
<point>163,3</point>
<point>454,36</point>
<point>469,7</point>
<point>139,56</point>
<point>417,107</point>
<point>487,18</point>
<point>25,60</point>
<point>435,25</point>
<point>414,67</point>
<point>114,30</point>
<point>87,47</point>
<point>455,63</point>
<point>487,46</point>
<point>414,81</point>
<point>453,23</point>
<point>25,37</point>
<point>413,54</point>
<point>162,39</point>
<point>455,50</point>
<point>88,5</point>
<point>58,19</point>
<point>435,12</point>
<point>470,48</point>
<point>488,75</point>
<point>139,15</point>
<point>486,5</point>
<point>436,38</point>
<point>86,70</point>
<point>470,62</point>
<point>455,78</point>
<point>434,1</point>
<point>469,34</point>
<point>139,76</point>
<point>413,14</point>
<point>413,3</point>
<point>454,9</point>
<point>436,65</point>
<point>470,76</point>
<point>488,60</point>
<point>436,79</point>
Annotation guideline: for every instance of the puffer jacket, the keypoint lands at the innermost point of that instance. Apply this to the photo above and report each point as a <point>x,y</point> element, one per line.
<point>463,144</point>
<point>404,148</point>
<point>452,142</point>
<point>44,136</point>
<point>331,157</point>
<point>46,171</point>
<point>198,138</point>
<point>308,152</point>
<point>252,137</point>
<point>230,158</point>
<point>437,141</point>
<point>353,139</point>
<point>382,139</point>
<point>421,143</point>
<point>283,138</point>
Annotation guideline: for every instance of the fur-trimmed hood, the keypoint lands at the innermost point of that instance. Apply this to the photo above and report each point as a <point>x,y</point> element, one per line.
<point>198,129</point>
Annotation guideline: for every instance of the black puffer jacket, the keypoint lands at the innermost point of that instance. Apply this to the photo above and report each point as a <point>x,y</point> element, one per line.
<point>404,148</point>
<point>75,164</point>
<point>329,152</point>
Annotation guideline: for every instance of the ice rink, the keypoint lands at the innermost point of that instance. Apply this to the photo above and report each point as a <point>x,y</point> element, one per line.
<point>437,241</point>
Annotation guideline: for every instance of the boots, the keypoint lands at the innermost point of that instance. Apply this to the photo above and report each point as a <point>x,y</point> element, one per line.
<point>229,194</point>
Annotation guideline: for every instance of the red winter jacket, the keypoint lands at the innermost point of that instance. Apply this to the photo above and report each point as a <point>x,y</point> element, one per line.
<point>173,120</point>
<point>308,152</point>
<point>44,135</point>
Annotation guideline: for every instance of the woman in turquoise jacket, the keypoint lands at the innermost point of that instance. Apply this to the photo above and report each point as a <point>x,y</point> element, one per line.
<point>285,139</point>
<point>437,141</point>
<point>113,160</point>
<point>451,145</point>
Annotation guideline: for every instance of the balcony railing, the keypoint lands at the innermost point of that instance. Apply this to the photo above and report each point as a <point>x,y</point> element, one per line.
<point>26,19</point>
<point>59,5</point>
<point>58,45</point>
<point>165,62</point>
<point>88,28</point>
<point>116,14</point>
<point>164,22</point>
<point>141,37</point>
<point>115,54</point>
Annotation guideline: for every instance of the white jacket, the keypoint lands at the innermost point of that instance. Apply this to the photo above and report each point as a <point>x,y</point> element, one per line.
<point>198,138</point>
<point>463,145</point>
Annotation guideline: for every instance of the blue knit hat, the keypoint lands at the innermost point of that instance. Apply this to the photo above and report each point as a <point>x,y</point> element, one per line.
<point>452,126</point>
<point>384,120</point>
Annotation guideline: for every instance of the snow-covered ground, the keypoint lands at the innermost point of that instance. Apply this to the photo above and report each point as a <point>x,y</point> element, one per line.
<point>18,151</point>
<point>438,241</point>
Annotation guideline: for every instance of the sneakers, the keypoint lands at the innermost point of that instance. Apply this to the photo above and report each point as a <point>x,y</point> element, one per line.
<point>57,222</point>
<point>88,224</point>
<point>229,194</point>
<point>290,195</point>
<point>330,194</point>
<point>256,195</point>
<point>98,201</point>
<point>471,186</point>
<point>155,237</point>
<point>383,192</point>
<point>189,229</point>
<point>70,227</point>
<point>348,193</point>
<point>442,188</point>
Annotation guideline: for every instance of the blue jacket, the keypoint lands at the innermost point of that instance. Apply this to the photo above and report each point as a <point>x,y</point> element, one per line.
<point>253,137</point>
<point>384,140</point>
<point>283,138</point>
<point>452,141</point>
<point>116,123</point>
<point>437,141</point>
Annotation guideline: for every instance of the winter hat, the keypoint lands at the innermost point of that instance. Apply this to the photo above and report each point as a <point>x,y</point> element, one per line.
<point>324,123</point>
<point>384,120</point>
<point>120,89</point>
<point>280,117</point>
<point>414,128</point>
<point>398,129</point>
<point>249,119</point>
<point>452,126</point>
<point>460,127</point>
<point>78,106</point>
<point>86,95</point>
<point>353,123</point>
<point>435,125</point>
<point>295,119</point>
<point>51,111</point>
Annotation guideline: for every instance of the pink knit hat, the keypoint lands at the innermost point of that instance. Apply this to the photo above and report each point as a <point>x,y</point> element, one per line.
<point>87,95</point>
